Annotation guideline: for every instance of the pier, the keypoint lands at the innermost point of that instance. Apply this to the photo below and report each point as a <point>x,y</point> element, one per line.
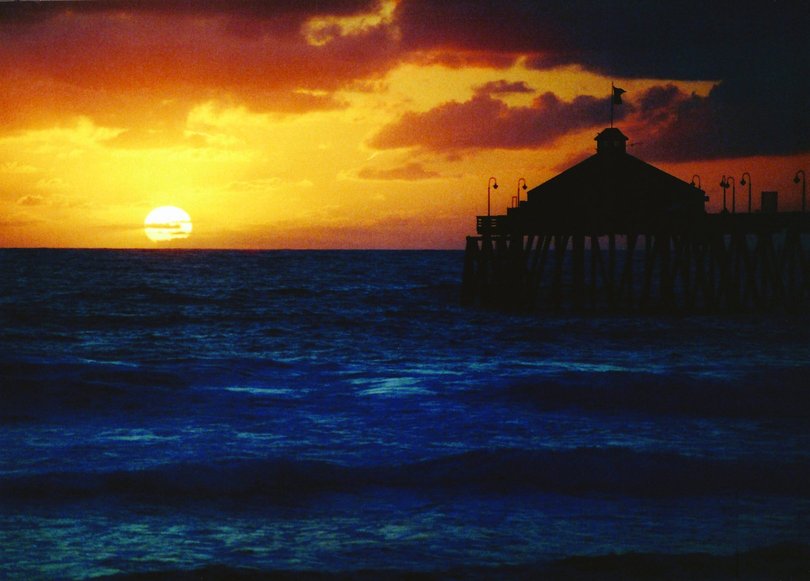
<point>616,233</point>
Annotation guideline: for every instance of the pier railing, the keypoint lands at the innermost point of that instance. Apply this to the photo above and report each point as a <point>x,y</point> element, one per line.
<point>721,262</point>
<point>492,225</point>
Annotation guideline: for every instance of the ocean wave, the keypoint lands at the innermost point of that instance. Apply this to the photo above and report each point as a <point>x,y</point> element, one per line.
<point>579,472</point>
<point>39,386</point>
<point>764,393</point>
<point>782,561</point>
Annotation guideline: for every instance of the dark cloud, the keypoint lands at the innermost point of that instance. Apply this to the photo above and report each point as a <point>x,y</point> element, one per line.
<point>106,58</point>
<point>408,172</point>
<point>485,122</point>
<point>237,9</point>
<point>150,53</point>
<point>734,120</point>
<point>459,25</point>
<point>757,51</point>
<point>503,87</point>
<point>658,104</point>
<point>690,39</point>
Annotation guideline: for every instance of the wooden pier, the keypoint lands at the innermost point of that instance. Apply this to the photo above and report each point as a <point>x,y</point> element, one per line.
<point>614,233</point>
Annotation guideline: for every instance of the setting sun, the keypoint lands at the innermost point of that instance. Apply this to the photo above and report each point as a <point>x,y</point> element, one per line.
<point>472,289</point>
<point>167,223</point>
<point>369,123</point>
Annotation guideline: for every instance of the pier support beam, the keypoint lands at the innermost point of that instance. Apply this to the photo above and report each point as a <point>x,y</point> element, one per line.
<point>756,266</point>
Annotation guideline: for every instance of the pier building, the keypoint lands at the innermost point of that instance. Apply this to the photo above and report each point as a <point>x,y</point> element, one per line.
<point>614,232</point>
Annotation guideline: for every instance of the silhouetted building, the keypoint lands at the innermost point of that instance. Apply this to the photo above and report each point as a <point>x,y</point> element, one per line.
<point>612,191</point>
<point>615,232</point>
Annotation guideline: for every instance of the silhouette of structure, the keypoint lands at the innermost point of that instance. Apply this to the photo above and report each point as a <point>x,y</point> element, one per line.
<point>615,232</point>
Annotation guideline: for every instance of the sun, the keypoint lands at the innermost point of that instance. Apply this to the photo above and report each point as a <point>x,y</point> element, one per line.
<point>167,223</point>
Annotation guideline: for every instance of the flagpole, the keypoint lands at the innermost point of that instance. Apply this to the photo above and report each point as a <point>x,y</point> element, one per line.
<point>615,99</point>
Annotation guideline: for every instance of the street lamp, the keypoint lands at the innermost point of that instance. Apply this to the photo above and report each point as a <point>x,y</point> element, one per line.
<point>733,194</point>
<point>724,185</point>
<point>518,190</point>
<point>494,184</point>
<point>742,183</point>
<point>695,184</point>
<point>796,181</point>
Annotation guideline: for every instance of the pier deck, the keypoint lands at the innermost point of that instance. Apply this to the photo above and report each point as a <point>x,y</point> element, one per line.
<point>709,262</point>
<point>616,232</point>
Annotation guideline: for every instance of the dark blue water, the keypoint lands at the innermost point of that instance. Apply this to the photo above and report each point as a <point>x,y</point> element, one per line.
<point>339,411</point>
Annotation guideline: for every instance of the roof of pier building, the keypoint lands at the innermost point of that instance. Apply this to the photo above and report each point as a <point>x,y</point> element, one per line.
<point>613,190</point>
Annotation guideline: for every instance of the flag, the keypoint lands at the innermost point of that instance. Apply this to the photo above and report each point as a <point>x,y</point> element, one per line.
<point>617,95</point>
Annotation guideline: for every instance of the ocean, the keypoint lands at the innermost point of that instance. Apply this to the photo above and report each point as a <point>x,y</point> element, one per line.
<point>285,414</point>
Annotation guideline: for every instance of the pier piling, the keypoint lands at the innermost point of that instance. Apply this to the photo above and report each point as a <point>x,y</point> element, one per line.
<point>615,233</point>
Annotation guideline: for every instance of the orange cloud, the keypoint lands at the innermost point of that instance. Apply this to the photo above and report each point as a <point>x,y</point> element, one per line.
<point>113,61</point>
<point>245,111</point>
<point>485,122</point>
<point>31,200</point>
<point>407,172</point>
<point>116,60</point>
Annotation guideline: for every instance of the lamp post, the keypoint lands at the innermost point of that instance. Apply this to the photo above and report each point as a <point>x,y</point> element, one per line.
<point>494,184</point>
<point>733,194</point>
<point>804,184</point>
<point>724,185</point>
<point>742,183</point>
<point>695,184</point>
<point>517,204</point>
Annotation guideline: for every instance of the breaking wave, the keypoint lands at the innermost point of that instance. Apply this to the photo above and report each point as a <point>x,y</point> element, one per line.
<point>584,471</point>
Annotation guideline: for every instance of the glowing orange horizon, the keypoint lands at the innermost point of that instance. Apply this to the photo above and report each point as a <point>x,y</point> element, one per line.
<point>294,130</point>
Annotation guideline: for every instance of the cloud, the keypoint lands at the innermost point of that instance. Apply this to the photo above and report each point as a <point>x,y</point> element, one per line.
<point>31,200</point>
<point>691,39</point>
<point>236,10</point>
<point>19,223</point>
<point>393,231</point>
<point>503,87</point>
<point>113,60</point>
<point>257,40</point>
<point>51,183</point>
<point>117,227</point>
<point>479,27</point>
<point>14,167</point>
<point>729,122</point>
<point>408,172</point>
<point>52,200</point>
<point>136,45</point>
<point>756,52</point>
<point>659,104</point>
<point>146,138</point>
<point>484,122</point>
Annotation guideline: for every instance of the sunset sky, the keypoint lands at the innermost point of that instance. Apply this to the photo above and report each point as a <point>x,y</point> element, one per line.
<point>374,124</point>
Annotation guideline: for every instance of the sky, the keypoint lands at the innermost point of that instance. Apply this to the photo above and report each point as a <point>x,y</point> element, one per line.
<point>375,123</point>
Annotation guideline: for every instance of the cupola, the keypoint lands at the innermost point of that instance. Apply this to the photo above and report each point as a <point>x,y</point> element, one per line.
<point>611,141</point>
